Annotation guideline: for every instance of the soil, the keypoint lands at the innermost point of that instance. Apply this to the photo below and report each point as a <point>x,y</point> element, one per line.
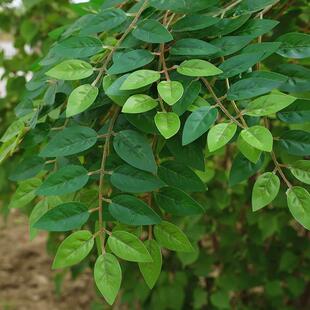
<point>26,278</point>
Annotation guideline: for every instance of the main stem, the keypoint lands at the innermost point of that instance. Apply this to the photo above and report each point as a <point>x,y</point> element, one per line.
<point>122,38</point>
<point>101,177</point>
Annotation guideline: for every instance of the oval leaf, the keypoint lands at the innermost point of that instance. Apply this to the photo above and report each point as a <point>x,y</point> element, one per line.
<point>259,137</point>
<point>73,249</point>
<point>64,217</point>
<point>139,104</point>
<point>220,134</point>
<point>168,123</point>
<point>108,276</point>
<point>198,67</point>
<point>265,190</point>
<point>128,247</point>
<point>80,99</point>
<point>170,91</point>
<point>140,79</point>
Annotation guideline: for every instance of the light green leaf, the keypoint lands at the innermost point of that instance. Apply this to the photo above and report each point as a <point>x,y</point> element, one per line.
<point>151,271</point>
<point>72,69</point>
<point>152,31</point>
<point>265,190</point>
<point>298,200</point>
<point>171,237</point>
<point>168,123</point>
<point>128,247</point>
<point>139,104</point>
<point>64,217</point>
<point>248,151</point>
<point>198,67</point>
<point>140,79</point>
<point>15,129</point>
<point>301,170</point>
<point>220,134</point>
<point>25,193</point>
<point>66,180</point>
<point>80,99</point>
<point>135,149</point>
<point>259,137</point>
<point>269,104</point>
<point>170,91</point>
<point>108,276</point>
<point>73,249</point>
<point>70,141</point>
<point>198,123</point>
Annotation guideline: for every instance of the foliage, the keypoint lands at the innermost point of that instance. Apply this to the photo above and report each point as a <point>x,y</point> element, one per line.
<point>150,132</point>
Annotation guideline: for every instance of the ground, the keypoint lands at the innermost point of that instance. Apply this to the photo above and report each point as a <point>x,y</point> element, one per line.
<point>26,278</point>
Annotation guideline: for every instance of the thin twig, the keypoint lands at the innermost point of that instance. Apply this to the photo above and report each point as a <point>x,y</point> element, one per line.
<point>219,103</point>
<point>101,178</point>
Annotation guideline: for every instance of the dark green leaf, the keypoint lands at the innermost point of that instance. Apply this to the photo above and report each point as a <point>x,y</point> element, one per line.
<point>193,47</point>
<point>295,142</point>
<point>134,149</point>
<point>132,211</point>
<point>177,202</point>
<point>66,180</point>
<point>64,217</point>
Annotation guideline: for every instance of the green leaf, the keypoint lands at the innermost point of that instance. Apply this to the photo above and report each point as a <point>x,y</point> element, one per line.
<point>73,249</point>
<point>179,176</point>
<point>67,179</point>
<point>78,47</point>
<point>128,247</point>
<point>72,69</point>
<point>269,104</point>
<point>193,47</point>
<point>171,237</point>
<point>135,150</point>
<point>242,169</point>
<point>108,276</point>
<point>295,142</point>
<point>139,104</point>
<point>151,271</point>
<point>301,170</point>
<point>28,168</point>
<point>249,6</point>
<point>64,217</point>
<point>265,190</point>
<point>259,137</point>
<point>220,134</point>
<point>184,6</point>
<point>80,99</point>
<point>130,61</point>
<point>247,150</point>
<point>198,123</point>
<point>193,23</point>
<point>177,202</point>
<point>140,79</point>
<point>253,87</point>
<point>170,91</point>
<point>298,200</point>
<point>257,27</point>
<point>230,44</point>
<point>294,45</point>
<point>104,21</point>
<point>70,141</point>
<point>131,180</point>
<point>132,211</point>
<point>25,193</point>
<point>15,129</point>
<point>296,113</point>
<point>168,123</point>
<point>198,67</point>
<point>238,64</point>
<point>152,31</point>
